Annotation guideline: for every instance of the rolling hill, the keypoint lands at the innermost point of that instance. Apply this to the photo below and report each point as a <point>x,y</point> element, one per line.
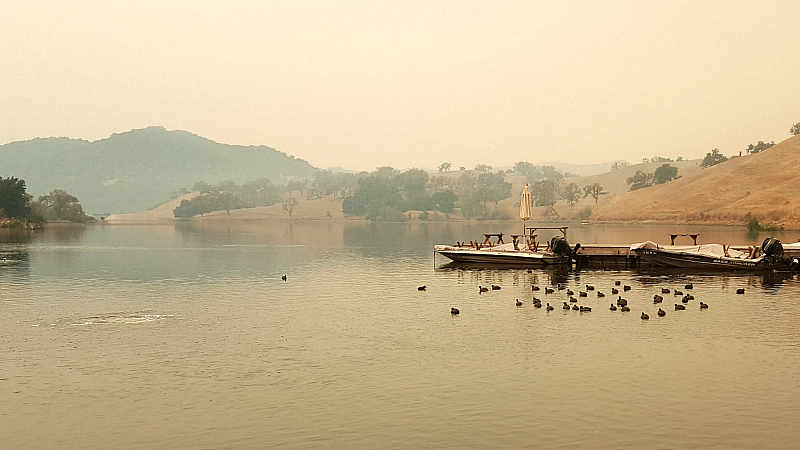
<point>766,185</point>
<point>139,169</point>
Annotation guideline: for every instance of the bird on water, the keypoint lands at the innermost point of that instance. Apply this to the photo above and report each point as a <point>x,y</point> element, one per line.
<point>658,299</point>
<point>566,306</point>
<point>600,294</point>
<point>625,309</point>
<point>614,291</point>
<point>679,307</point>
<point>645,316</point>
<point>703,305</point>
<point>661,312</point>
<point>495,288</point>
<point>422,288</point>
<point>454,311</point>
<point>283,278</point>
<point>549,308</point>
<point>740,291</point>
<point>613,308</point>
<point>482,289</point>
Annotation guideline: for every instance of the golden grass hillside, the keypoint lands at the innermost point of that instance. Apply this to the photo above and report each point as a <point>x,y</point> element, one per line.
<point>766,184</point>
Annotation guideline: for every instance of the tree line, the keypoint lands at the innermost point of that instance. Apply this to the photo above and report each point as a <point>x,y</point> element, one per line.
<point>16,204</point>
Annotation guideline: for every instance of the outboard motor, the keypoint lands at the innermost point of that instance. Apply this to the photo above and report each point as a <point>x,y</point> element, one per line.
<point>559,245</point>
<point>772,247</point>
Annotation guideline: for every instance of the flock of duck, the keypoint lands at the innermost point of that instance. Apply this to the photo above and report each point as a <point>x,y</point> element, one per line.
<point>620,304</point>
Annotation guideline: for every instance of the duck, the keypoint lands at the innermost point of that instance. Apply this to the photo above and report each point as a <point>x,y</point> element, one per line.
<point>549,308</point>
<point>600,294</point>
<point>548,291</point>
<point>573,300</point>
<point>645,316</point>
<point>482,289</point>
<point>583,294</point>
<point>689,286</point>
<point>569,292</point>
<point>495,288</point>
<point>625,309</point>
<point>536,300</point>
<point>535,288</point>
<point>422,288</point>
<point>614,291</point>
<point>561,287</point>
<point>537,304</point>
<point>589,287</point>
<point>454,311</point>
<point>740,291</point>
<point>613,308</point>
<point>679,307</point>
<point>689,296</point>
<point>585,309</point>
<point>617,283</point>
<point>658,299</point>
<point>685,299</point>
<point>574,307</point>
<point>703,305</point>
<point>664,291</point>
<point>283,278</point>
<point>519,303</point>
<point>677,292</point>
<point>622,302</point>
<point>626,288</point>
<point>661,312</point>
<point>566,306</point>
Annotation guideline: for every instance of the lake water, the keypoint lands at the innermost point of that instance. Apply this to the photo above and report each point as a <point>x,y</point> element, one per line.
<point>184,336</point>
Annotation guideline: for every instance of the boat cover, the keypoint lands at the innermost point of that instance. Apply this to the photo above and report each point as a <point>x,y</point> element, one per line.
<point>711,250</point>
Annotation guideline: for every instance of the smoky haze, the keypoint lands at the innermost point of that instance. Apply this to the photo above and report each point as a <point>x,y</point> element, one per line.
<point>408,84</point>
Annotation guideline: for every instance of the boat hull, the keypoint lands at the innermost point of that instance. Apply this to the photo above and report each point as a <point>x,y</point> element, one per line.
<point>703,262</point>
<point>503,257</point>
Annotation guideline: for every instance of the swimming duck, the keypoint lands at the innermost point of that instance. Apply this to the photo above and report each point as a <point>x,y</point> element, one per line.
<point>583,294</point>
<point>600,294</point>
<point>689,286</point>
<point>645,316</point>
<point>561,287</point>
<point>548,291</point>
<point>658,299</point>
<point>535,288</point>
<point>622,302</point>
<point>677,292</point>
<point>573,299</point>
<point>536,300</point>
<point>585,309</point>
<point>422,288</point>
<point>283,278</point>
<point>566,306</point>
<point>537,304</point>
<point>589,287</point>
<point>482,289</point>
<point>519,303</point>
<point>661,312</point>
<point>617,283</point>
<point>679,307</point>
<point>613,308</point>
<point>574,307</point>
<point>626,288</point>
<point>549,308</point>
<point>614,291</point>
<point>454,311</point>
<point>690,296</point>
<point>664,291</point>
<point>740,291</point>
<point>685,299</point>
<point>495,288</point>
<point>703,305</point>
<point>569,292</point>
<point>625,309</point>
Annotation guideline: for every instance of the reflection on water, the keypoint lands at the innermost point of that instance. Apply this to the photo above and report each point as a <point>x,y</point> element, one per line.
<point>186,336</point>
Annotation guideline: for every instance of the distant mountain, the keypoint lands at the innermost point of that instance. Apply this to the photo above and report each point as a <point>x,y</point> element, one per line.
<point>140,169</point>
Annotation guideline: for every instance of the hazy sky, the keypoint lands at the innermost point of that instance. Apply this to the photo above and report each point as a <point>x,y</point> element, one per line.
<point>413,83</point>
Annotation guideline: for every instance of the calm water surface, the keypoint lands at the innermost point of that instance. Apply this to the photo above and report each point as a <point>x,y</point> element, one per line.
<point>186,337</point>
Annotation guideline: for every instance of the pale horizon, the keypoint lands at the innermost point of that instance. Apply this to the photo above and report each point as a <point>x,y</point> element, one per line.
<point>359,85</point>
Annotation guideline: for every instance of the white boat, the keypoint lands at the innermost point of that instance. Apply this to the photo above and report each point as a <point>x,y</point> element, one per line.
<point>770,256</point>
<point>522,250</point>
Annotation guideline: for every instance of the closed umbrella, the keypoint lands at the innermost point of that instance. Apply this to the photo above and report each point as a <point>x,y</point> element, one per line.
<point>525,206</point>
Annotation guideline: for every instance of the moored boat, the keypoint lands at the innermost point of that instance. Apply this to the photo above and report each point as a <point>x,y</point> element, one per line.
<point>769,256</point>
<point>556,252</point>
